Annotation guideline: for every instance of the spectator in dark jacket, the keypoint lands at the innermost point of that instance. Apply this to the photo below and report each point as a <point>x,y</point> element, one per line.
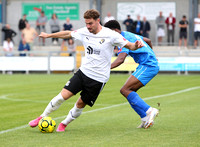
<point>129,24</point>
<point>22,22</point>
<point>8,32</point>
<point>145,28</point>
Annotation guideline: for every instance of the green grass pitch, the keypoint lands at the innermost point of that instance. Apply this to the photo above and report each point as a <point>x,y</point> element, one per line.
<point>110,122</point>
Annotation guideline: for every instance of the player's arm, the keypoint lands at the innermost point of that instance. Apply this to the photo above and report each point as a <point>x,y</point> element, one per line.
<point>120,59</point>
<point>61,34</point>
<point>134,46</point>
<point>148,41</point>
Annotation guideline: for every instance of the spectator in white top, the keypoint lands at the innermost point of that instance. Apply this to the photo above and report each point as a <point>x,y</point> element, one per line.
<point>160,22</point>
<point>8,47</point>
<point>108,17</point>
<point>196,30</point>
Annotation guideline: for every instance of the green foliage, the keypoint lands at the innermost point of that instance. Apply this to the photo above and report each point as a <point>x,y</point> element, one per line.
<point>110,122</point>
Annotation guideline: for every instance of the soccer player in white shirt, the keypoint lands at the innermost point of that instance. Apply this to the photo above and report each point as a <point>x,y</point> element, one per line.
<point>94,72</point>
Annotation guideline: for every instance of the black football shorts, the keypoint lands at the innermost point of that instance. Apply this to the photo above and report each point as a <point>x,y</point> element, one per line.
<point>89,88</point>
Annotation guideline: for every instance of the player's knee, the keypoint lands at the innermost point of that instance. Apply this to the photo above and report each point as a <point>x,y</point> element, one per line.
<point>123,91</point>
<point>80,103</point>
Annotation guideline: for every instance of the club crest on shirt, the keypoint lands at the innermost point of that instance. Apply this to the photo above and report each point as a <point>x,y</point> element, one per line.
<point>102,41</point>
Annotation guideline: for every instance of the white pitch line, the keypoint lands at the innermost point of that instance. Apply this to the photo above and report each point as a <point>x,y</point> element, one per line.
<point>148,98</point>
<point>5,97</point>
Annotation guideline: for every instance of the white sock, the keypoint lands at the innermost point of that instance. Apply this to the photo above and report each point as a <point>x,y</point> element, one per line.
<point>149,110</point>
<point>73,114</point>
<point>53,105</point>
<point>144,118</point>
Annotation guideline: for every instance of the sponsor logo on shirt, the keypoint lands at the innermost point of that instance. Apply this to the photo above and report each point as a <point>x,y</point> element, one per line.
<point>90,50</point>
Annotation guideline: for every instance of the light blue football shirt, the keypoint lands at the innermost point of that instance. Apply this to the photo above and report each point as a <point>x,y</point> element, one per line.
<point>142,56</point>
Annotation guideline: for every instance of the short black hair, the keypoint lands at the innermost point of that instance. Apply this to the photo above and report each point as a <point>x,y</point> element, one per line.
<point>112,24</point>
<point>184,16</point>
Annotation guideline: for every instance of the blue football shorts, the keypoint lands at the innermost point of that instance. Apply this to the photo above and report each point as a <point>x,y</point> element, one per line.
<point>145,73</point>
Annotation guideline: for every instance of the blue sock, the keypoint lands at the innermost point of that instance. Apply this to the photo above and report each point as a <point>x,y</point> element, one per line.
<point>138,104</point>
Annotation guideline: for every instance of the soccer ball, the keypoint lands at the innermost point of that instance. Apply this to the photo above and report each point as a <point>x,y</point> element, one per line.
<point>46,125</point>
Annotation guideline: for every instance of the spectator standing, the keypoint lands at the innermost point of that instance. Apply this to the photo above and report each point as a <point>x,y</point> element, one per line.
<point>29,34</point>
<point>40,25</point>
<point>170,22</point>
<point>145,28</point>
<point>108,17</point>
<point>55,27</point>
<point>138,25</point>
<point>160,22</point>
<point>22,22</point>
<point>129,24</point>
<point>183,31</point>
<point>8,47</point>
<point>66,26</point>
<point>23,47</point>
<point>8,32</point>
<point>196,30</point>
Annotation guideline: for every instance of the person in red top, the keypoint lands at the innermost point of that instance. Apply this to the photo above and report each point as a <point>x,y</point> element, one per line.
<point>170,22</point>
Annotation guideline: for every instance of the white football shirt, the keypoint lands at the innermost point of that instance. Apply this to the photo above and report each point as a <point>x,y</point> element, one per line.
<point>98,51</point>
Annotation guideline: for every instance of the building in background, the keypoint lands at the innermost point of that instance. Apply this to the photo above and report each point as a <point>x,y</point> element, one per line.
<point>75,9</point>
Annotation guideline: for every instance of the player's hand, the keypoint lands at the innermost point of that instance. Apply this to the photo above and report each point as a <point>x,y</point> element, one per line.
<point>138,44</point>
<point>43,35</point>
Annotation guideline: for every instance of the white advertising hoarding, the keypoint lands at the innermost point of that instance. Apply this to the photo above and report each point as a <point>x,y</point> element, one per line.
<point>37,63</point>
<point>149,9</point>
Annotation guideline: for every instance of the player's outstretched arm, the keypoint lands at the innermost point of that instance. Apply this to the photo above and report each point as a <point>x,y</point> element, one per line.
<point>134,46</point>
<point>61,34</point>
<point>120,59</point>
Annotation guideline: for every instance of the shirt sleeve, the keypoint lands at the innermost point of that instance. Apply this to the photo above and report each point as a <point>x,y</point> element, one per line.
<point>77,34</point>
<point>119,40</point>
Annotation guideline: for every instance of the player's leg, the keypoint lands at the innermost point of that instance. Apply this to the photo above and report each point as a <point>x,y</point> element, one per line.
<point>56,102</point>
<point>74,113</point>
<point>129,91</point>
<point>138,79</point>
<point>53,105</point>
<point>72,87</point>
<point>91,89</point>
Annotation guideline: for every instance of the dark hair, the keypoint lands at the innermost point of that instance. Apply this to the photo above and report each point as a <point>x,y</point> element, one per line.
<point>184,16</point>
<point>92,13</point>
<point>54,14</point>
<point>112,24</point>
<point>71,39</point>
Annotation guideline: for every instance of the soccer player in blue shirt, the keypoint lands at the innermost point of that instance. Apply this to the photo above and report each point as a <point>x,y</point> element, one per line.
<point>147,69</point>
